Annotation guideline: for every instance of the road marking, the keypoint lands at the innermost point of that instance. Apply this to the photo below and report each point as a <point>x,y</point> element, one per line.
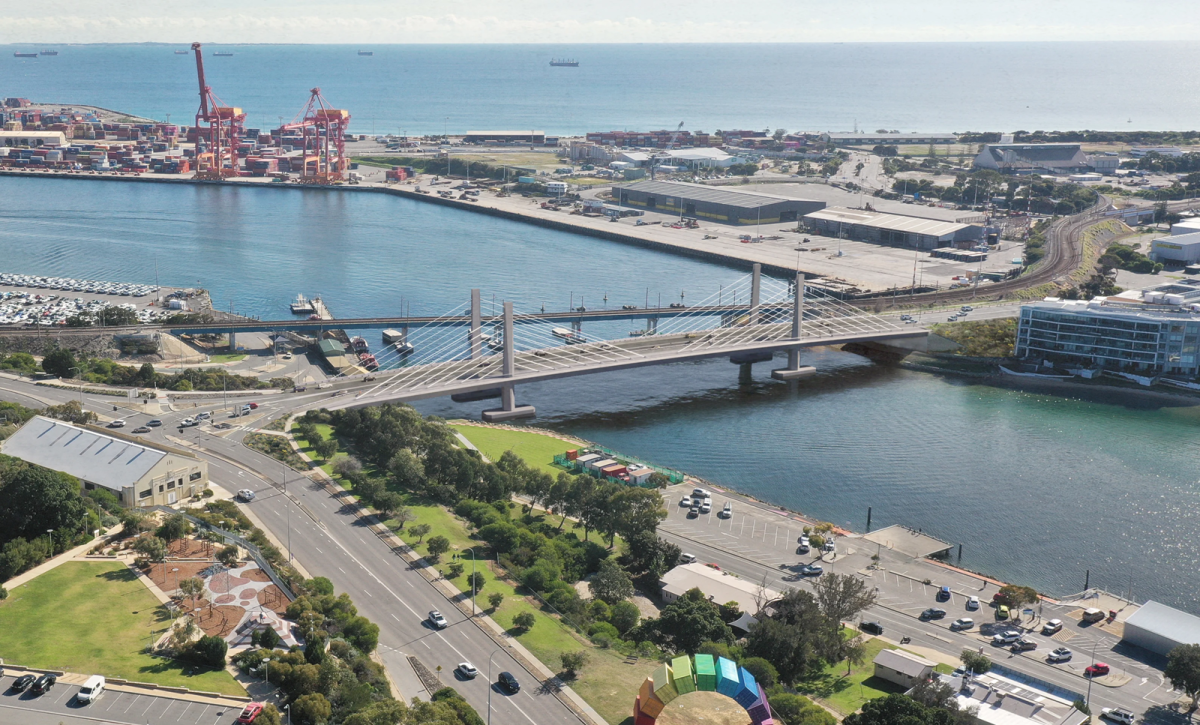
<point>394,616</point>
<point>523,712</point>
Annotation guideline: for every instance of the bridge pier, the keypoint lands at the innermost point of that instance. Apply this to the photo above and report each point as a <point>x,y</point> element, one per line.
<point>508,410</point>
<point>475,335</point>
<point>794,369</point>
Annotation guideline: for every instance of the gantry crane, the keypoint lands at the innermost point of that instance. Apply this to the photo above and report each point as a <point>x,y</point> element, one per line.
<point>219,158</point>
<point>323,144</point>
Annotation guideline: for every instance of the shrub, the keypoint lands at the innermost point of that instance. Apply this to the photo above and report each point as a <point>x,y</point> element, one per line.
<point>624,616</point>
<point>603,629</point>
<point>525,621</point>
<point>763,671</point>
<point>572,662</point>
<point>454,571</point>
<point>495,599</point>
<point>210,650</point>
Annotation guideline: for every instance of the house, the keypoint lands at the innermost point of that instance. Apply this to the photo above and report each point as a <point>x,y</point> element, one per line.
<point>902,668</point>
<point>997,700</point>
<point>136,472</point>
<point>718,587</point>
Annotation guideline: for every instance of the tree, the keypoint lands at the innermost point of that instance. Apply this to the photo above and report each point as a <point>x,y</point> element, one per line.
<point>1183,670</point>
<point>572,662</point>
<point>1017,596</point>
<point>624,616</point>
<point>191,588</point>
<point>495,599</point>
<point>71,412</point>
<point>855,652</point>
<point>228,555</point>
<point>210,650</point>
<point>686,623</point>
<point>151,547</point>
<point>611,584</point>
<point>36,499</point>
<point>401,513</point>
<point>764,672</point>
<point>311,709</point>
<point>146,375</point>
<point>799,710</point>
<point>58,362</point>
<point>175,527</point>
<point>419,531</point>
<point>731,612</point>
<point>841,597</point>
<point>477,580</point>
<point>640,510</point>
<point>437,545</point>
<point>326,449</point>
<point>975,661</point>
<point>269,638</point>
<point>524,620</point>
<point>362,633</point>
<point>455,570</point>
<point>407,470</point>
<point>347,466</point>
<point>389,503</point>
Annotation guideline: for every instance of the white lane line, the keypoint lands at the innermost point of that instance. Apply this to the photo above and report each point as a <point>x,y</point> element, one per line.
<point>368,591</point>
<point>341,570</point>
<point>189,707</point>
<point>522,711</point>
<point>394,616</point>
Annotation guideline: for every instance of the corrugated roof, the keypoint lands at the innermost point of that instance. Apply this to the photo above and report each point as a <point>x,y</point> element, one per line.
<point>891,222</point>
<point>86,454</point>
<point>905,662</point>
<point>719,587</point>
<point>710,194</point>
<point>1167,622</point>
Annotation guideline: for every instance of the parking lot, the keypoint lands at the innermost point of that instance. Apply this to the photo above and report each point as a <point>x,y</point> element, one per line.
<point>118,707</point>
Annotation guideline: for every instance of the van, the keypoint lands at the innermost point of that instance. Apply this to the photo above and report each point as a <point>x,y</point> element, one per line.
<point>1093,615</point>
<point>91,689</point>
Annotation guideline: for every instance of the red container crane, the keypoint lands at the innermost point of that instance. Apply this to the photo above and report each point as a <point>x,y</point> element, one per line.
<point>322,143</point>
<point>225,124</point>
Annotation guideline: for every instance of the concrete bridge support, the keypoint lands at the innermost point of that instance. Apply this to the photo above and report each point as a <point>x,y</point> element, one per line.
<point>794,369</point>
<point>755,284</point>
<point>508,410</point>
<point>475,335</point>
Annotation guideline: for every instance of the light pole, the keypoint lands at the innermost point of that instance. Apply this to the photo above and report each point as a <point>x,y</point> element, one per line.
<point>472,550</point>
<point>267,667</point>
<point>50,535</point>
<point>1088,700</point>
<point>80,387</point>
<point>175,571</point>
<point>288,707</point>
<point>491,684</point>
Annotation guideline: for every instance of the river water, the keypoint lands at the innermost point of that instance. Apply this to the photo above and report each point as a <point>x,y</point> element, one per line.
<point>1037,487</point>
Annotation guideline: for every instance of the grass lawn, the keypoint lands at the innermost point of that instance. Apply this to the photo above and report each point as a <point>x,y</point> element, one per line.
<point>307,449</point>
<point>846,694</point>
<point>227,357</point>
<point>95,618</point>
<point>537,449</point>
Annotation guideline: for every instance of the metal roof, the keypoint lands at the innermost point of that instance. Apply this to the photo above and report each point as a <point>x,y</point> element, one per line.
<point>889,136</point>
<point>1166,622</point>
<point>891,222</point>
<point>904,662</point>
<point>717,586</point>
<point>710,194</point>
<point>83,453</point>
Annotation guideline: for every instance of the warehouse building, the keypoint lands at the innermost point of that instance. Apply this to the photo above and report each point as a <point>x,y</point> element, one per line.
<point>33,138</point>
<point>1160,629</point>
<point>526,136</point>
<point>714,203</point>
<point>136,472</point>
<point>873,226</point>
<point>1033,158</point>
<point>887,139</point>
<point>1182,249</point>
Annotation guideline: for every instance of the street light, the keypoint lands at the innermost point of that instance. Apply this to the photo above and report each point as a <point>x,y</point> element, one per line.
<point>472,550</point>
<point>80,387</point>
<point>175,571</point>
<point>490,683</point>
<point>1088,700</point>
<point>50,535</point>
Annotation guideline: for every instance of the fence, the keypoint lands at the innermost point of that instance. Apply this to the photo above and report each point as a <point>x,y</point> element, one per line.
<point>255,552</point>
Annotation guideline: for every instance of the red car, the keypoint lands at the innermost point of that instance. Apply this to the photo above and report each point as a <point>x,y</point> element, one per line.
<point>250,714</point>
<point>1096,670</point>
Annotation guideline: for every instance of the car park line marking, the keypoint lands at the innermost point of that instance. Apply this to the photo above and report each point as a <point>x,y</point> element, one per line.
<point>189,706</point>
<point>106,721</point>
<point>148,705</point>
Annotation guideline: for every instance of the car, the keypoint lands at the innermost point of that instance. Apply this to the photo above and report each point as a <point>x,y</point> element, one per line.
<point>154,423</point>
<point>117,424</point>
<point>1006,637</point>
<point>706,507</point>
<point>1002,611</point>
<point>223,426</point>
<point>687,558</point>
<point>287,356</point>
<point>1062,654</point>
<point>952,318</point>
<point>245,495</point>
<point>43,684</point>
<point>467,670</point>
<point>205,415</point>
<point>141,429</point>
<point>803,549</point>
<point>686,502</point>
<point>943,594</point>
<point>811,570</point>
<point>1024,645</point>
<point>694,511</point>
<point>507,682</point>
<point>726,512</point>
<point>1097,670</point>
<point>804,540</point>
<point>250,713</point>
<point>961,624</point>
<point>253,406</point>
<point>829,547</point>
<point>1118,714</point>
<point>437,620</point>
<point>246,409</point>
<point>22,683</point>
<point>188,422</point>
<point>871,627</point>
<point>699,493</point>
<point>933,613</point>
<point>966,308</point>
<point>972,603</point>
<point>1051,627</point>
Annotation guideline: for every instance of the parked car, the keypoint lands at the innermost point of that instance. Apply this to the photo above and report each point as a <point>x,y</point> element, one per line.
<point>22,683</point>
<point>187,422</point>
<point>43,684</point>
<point>686,502</point>
<point>706,507</point>
<point>961,624</point>
<point>933,613</point>
<point>250,713</point>
<point>205,415</point>
<point>811,570</point>
<point>1051,627</point>
<point>829,547</point>
<point>508,683</point>
<point>871,627</point>
<point>1093,615</point>
<point>1005,638</point>
<point>1062,654</point>
<point>699,492</point>
<point>1118,714</point>
<point>1024,645</point>
<point>1097,670</point>
<point>245,495</point>
<point>943,594</point>
<point>467,670</point>
<point>154,423</point>
<point>694,511</point>
<point>117,424</point>
<point>687,558</point>
<point>972,603</point>
<point>1002,611</point>
<point>803,549</point>
<point>726,512</point>
<point>437,620</point>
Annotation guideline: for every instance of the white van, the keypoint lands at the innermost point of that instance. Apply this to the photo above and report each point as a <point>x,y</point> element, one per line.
<point>91,689</point>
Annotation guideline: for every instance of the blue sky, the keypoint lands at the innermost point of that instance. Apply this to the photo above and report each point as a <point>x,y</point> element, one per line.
<point>609,21</point>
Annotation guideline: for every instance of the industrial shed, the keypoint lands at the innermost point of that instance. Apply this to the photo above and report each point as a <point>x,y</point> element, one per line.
<point>873,226</point>
<point>714,203</point>
<point>1160,629</point>
<point>1033,158</point>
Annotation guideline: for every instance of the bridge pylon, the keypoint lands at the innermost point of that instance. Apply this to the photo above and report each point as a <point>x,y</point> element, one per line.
<point>508,410</point>
<point>794,369</point>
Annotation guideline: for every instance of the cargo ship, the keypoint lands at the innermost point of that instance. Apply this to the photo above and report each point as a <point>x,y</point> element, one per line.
<point>366,52</point>
<point>565,63</point>
<point>48,52</point>
<point>572,337</point>
<point>223,55</point>
<point>25,55</point>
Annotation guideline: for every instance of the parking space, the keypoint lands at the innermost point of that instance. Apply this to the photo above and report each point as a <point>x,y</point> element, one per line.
<point>116,706</point>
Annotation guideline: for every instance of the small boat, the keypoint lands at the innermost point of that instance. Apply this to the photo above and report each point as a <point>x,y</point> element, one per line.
<point>25,55</point>
<point>368,361</point>
<point>565,63</point>
<point>572,337</point>
<point>360,345</point>
<point>222,55</point>
<point>366,52</point>
<point>403,347</point>
<point>181,52</point>
<point>48,52</point>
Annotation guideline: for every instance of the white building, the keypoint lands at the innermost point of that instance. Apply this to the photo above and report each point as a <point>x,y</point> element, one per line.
<point>997,700</point>
<point>702,158</point>
<point>719,587</point>
<point>33,138</point>
<point>1139,151</point>
<point>557,188</point>
<point>1187,226</point>
<point>135,472</point>
<point>1181,249</point>
<point>902,668</point>
<point>1160,628</point>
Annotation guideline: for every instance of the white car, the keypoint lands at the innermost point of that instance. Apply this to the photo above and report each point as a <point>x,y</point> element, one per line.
<point>700,493</point>
<point>706,507</point>
<point>686,502</point>
<point>972,603</point>
<point>687,558</point>
<point>1118,714</point>
<point>961,624</point>
<point>1005,638</point>
<point>1051,627</point>
<point>437,620</point>
<point>203,416</point>
<point>187,422</point>
<point>726,512</point>
<point>467,670</point>
<point>117,424</point>
<point>245,495</point>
